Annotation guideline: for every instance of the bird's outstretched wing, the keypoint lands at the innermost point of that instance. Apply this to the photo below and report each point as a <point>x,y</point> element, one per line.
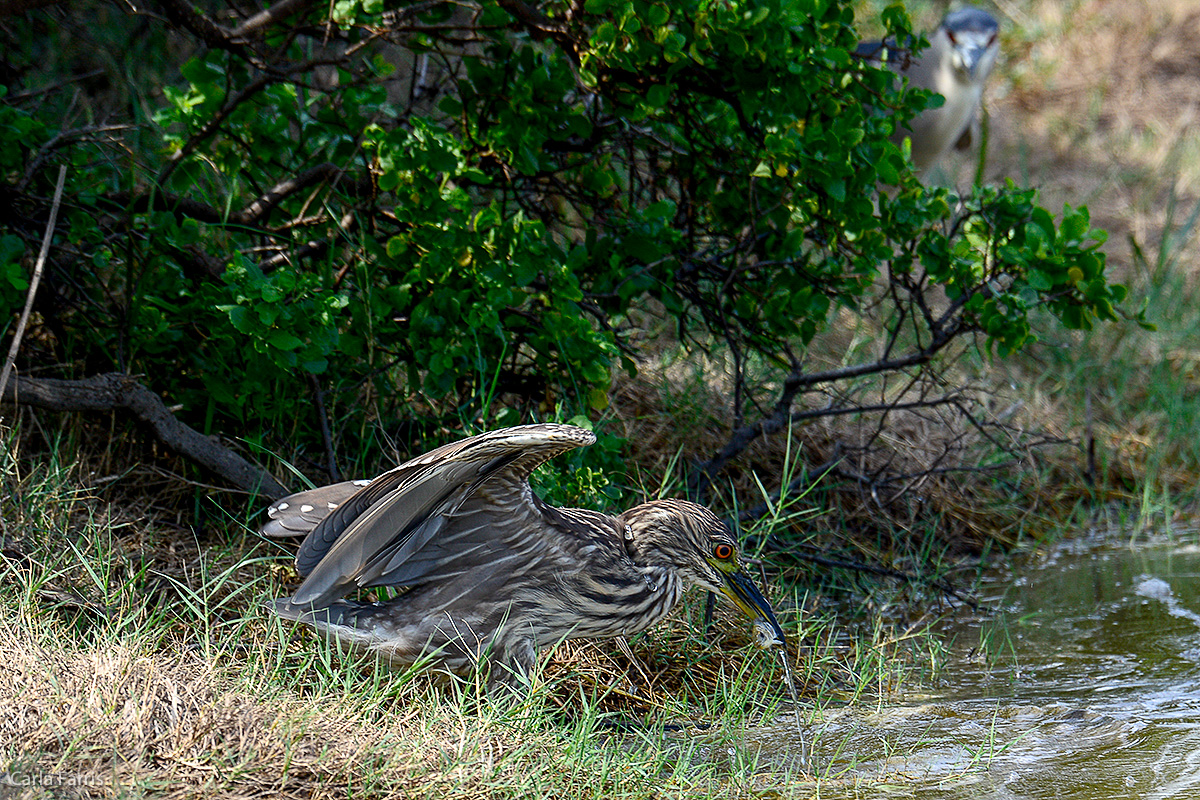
<point>371,535</point>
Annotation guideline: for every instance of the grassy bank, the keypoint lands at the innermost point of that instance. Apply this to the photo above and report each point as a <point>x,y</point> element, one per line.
<point>141,661</point>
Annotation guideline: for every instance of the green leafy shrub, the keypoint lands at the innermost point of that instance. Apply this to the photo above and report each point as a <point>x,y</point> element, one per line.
<point>424,212</point>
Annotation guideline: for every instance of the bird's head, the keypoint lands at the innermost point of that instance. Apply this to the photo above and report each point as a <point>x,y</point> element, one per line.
<point>974,43</point>
<point>690,539</point>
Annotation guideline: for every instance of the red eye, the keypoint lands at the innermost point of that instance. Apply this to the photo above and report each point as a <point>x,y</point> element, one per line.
<point>723,551</point>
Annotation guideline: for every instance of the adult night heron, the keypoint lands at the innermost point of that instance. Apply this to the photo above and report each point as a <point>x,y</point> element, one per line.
<point>961,55</point>
<point>487,570</point>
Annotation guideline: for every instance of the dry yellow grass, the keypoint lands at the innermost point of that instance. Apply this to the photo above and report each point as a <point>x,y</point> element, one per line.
<point>109,719</point>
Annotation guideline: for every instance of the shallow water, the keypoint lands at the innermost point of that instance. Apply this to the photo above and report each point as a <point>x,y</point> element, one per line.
<point>1090,689</point>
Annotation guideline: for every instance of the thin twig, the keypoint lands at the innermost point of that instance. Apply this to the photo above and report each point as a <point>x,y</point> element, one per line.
<point>885,572</point>
<point>38,268</point>
<point>326,433</point>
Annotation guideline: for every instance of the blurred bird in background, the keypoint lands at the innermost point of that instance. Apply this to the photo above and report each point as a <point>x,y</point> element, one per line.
<point>961,55</point>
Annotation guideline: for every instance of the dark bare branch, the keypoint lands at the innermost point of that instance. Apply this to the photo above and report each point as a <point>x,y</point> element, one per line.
<point>10,8</point>
<point>815,557</point>
<point>116,391</point>
<point>259,208</point>
<point>793,384</point>
<point>183,13</point>
<point>269,16</point>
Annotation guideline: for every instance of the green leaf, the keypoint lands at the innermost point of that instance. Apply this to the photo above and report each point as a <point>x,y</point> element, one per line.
<point>658,95</point>
<point>1043,220</point>
<point>1075,224</point>
<point>397,246</point>
<point>282,340</point>
<point>239,318</point>
<point>606,33</point>
<point>1039,280</point>
<point>658,15</point>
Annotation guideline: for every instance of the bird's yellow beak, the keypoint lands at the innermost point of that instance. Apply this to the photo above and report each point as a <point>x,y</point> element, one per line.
<point>746,596</point>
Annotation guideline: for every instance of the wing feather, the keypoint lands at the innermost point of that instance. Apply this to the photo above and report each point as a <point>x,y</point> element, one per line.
<point>299,513</point>
<point>380,535</point>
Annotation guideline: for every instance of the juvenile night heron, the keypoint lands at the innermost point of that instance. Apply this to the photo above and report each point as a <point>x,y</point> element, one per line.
<point>487,570</point>
<point>961,55</point>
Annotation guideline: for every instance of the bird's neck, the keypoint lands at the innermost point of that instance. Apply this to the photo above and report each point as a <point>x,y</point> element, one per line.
<point>659,578</point>
<point>656,599</point>
<point>662,578</point>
